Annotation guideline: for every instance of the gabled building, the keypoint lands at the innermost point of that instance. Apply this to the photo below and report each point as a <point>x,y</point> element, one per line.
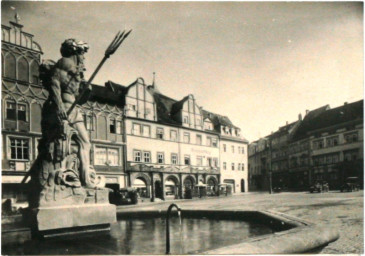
<point>170,148</point>
<point>259,165</point>
<point>300,153</point>
<point>279,146</point>
<point>336,142</point>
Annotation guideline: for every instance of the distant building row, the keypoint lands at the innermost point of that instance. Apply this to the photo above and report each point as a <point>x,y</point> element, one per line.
<point>139,136</point>
<point>326,145</point>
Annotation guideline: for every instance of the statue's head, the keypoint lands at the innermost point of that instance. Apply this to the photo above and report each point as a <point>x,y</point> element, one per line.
<point>73,47</point>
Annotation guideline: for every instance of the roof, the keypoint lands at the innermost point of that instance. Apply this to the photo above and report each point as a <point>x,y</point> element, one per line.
<point>166,106</point>
<point>104,94</point>
<point>331,117</point>
<point>218,120</point>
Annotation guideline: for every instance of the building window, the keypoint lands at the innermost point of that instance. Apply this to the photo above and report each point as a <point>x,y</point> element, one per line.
<point>137,156</point>
<point>19,149</point>
<point>239,167</point>
<point>214,142</point>
<point>136,129</point>
<point>173,135</point>
<point>198,122</point>
<point>351,137</point>
<point>232,149</point>
<point>186,120</point>
<point>147,157</point>
<point>215,162</point>
<point>232,166</point>
<point>239,150</point>
<point>112,126</point>
<point>209,141</point>
<point>332,142</point>
<point>209,161</point>
<point>186,137</point>
<point>199,161</point>
<point>242,150</point>
<point>243,166</point>
<point>106,156</point>
<point>132,107</point>
<point>224,166</point>
<point>22,112</point>
<point>88,121</point>
<point>159,134</point>
<point>160,157</point>
<point>174,159</point>
<point>146,130</point>
<point>11,110</point>
<point>318,144</point>
<point>198,139</point>
<point>187,160</point>
<point>224,148</point>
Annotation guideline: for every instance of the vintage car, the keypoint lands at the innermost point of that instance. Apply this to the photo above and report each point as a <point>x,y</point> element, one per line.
<point>123,196</point>
<point>350,184</point>
<point>319,187</point>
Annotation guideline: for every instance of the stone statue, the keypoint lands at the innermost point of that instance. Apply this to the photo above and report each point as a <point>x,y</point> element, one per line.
<point>64,186</point>
<point>61,174</point>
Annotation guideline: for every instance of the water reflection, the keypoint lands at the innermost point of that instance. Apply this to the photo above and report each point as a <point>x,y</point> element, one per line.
<point>148,237</point>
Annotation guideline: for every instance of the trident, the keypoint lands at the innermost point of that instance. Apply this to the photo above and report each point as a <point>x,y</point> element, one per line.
<point>114,45</point>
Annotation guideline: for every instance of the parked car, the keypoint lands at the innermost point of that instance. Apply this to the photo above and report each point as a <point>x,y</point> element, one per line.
<point>351,184</point>
<point>319,187</point>
<point>123,196</point>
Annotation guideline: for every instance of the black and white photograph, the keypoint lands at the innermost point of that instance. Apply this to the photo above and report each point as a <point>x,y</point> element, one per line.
<point>153,128</point>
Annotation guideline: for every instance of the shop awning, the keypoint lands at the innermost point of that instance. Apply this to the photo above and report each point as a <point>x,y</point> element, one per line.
<point>169,183</point>
<point>138,183</point>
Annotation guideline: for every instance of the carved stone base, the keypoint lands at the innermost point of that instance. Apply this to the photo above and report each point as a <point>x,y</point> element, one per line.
<point>44,219</point>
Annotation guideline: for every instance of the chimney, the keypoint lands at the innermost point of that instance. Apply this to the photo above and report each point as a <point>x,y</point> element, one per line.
<point>153,81</point>
<point>300,117</point>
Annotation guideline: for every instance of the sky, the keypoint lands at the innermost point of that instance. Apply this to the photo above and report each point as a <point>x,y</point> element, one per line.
<point>259,63</point>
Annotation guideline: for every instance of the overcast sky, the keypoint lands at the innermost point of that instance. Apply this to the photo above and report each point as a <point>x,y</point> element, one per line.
<point>260,63</point>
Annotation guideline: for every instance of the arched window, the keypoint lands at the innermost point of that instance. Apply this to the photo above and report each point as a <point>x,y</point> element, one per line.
<point>10,66</point>
<point>23,70</point>
<point>34,72</point>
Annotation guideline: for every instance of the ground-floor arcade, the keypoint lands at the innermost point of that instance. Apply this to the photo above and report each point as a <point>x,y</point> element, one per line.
<point>173,185</point>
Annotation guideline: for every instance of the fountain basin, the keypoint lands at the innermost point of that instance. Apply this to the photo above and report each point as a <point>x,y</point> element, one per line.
<point>202,232</point>
<point>289,234</point>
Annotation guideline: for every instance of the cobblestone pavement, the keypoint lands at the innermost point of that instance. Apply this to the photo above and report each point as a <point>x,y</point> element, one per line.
<point>342,211</point>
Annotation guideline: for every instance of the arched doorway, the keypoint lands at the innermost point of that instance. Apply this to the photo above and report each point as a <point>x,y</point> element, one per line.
<point>212,187</point>
<point>171,187</point>
<point>141,186</point>
<point>158,189</point>
<point>188,187</point>
<point>242,185</point>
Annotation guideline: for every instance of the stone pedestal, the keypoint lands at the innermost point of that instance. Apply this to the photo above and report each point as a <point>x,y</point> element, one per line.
<point>71,218</point>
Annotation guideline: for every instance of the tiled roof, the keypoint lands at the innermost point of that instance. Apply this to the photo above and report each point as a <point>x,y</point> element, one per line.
<point>325,117</point>
<point>103,94</point>
<point>217,119</point>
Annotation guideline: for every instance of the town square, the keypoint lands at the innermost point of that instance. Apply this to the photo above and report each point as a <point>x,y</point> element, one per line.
<point>182,128</point>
